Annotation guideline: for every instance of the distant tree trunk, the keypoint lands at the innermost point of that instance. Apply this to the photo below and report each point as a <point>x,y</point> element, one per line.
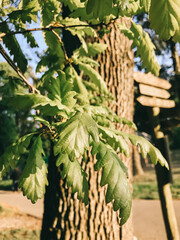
<point>137,166</point>
<point>72,220</point>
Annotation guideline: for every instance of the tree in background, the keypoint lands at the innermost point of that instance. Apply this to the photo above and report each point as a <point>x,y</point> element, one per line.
<point>71,106</point>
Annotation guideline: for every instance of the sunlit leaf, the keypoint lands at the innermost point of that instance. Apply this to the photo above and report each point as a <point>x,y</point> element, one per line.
<point>33,179</point>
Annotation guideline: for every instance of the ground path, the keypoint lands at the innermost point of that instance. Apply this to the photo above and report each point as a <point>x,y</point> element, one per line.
<point>147,217</point>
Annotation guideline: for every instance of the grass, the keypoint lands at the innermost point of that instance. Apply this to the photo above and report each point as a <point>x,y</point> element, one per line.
<point>145,186</point>
<point>16,234</point>
<point>6,184</point>
<point>20,234</point>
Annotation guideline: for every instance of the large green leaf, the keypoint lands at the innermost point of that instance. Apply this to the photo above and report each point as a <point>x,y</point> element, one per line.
<point>145,4</point>
<point>74,135</point>
<point>33,179</point>
<point>99,8</point>
<point>80,32</point>
<point>145,47</point>
<point>78,86</point>
<point>94,76</point>
<point>37,101</point>
<point>114,175</point>
<point>146,148</point>
<point>117,142</point>
<point>60,89</point>
<point>133,8</point>
<point>73,4</point>
<point>92,50</point>
<point>165,17</point>
<point>26,12</point>
<point>75,176</point>
<point>13,152</point>
<point>176,37</point>
<point>106,113</point>
<point>14,48</point>
<point>49,10</point>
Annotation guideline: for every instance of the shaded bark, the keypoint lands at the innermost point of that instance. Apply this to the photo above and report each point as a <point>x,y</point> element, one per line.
<point>72,219</point>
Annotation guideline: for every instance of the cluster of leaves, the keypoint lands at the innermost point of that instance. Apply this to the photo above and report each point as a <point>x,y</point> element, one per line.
<point>72,104</point>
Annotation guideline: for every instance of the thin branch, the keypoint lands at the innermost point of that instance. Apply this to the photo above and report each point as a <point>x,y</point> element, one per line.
<point>18,71</point>
<point>62,44</point>
<point>53,27</point>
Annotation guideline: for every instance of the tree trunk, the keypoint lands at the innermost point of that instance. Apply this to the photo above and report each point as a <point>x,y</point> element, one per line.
<point>137,166</point>
<point>72,219</point>
<point>116,68</point>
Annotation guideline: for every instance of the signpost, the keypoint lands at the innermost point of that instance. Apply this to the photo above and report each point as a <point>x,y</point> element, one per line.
<point>151,80</point>
<point>153,91</point>
<point>155,102</point>
<point>155,95</point>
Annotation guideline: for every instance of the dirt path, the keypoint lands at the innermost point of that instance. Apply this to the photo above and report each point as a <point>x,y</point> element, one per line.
<point>148,221</point>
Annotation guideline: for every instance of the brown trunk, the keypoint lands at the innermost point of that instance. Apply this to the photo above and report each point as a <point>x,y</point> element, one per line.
<point>137,167</point>
<point>73,220</point>
<point>175,57</point>
<point>116,68</point>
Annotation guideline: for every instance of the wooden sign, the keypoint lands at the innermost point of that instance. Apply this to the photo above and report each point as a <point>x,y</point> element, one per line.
<point>153,91</point>
<point>155,102</point>
<point>150,79</point>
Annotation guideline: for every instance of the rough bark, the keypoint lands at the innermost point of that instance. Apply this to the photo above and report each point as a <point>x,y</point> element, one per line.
<point>116,68</point>
<point>72,219</point>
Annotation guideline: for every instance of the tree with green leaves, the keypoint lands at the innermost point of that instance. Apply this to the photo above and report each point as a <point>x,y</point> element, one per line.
<point>71,100</point>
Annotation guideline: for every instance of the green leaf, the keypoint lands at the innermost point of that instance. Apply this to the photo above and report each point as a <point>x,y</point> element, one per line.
<point>133,8</point>
<point>92,50</point>
<point>75,176</point>
<point>117,142</point>
<point>106,113</point>
<point>49,11</point>
<point>31,40</point>
<point>121,120</point>
<point>146,148</point>
<point>145,4</point>
<point>59,89</point>
<point>26,12</point>
<point>79,87</point>
<point>14,48</point>
<point>145,47</point>
<point>94,76</point>
<point>33,179</point>
<point>165,17</point>
<point>100,8</point>
<point>73,4</point>
<point>42,120</point>
<point>46,105</point>
<point>114,175</point>
<point>13,152</point>
<point>80,32</point>
<point>74,135</point>
<point>176,37</point>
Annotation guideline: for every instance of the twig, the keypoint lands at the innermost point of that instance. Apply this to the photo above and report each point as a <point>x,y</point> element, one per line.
<point>55,26</point>
<point>18,71</point>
